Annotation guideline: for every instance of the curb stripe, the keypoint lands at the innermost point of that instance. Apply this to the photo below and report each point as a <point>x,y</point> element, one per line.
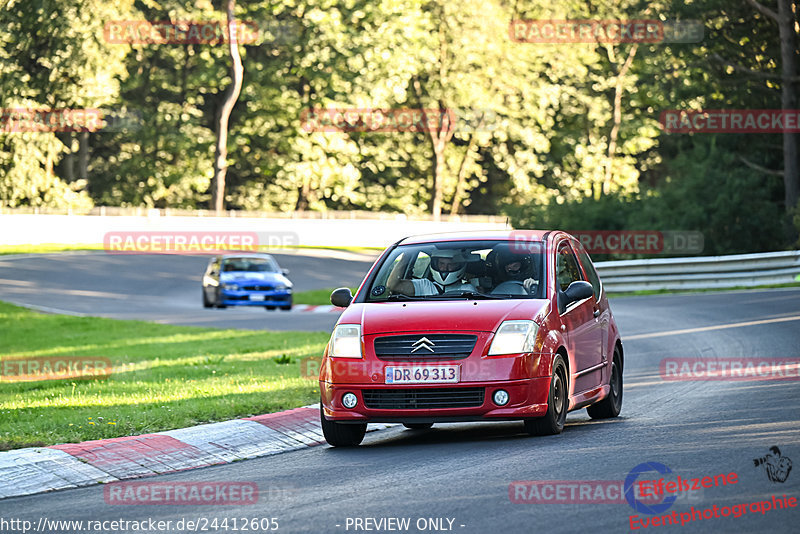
<point>34,470</point>
<point>70,465</point>
<point>137,456</point>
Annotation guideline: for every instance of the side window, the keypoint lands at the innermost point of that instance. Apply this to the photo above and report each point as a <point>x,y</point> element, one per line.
<point>566,267</point>
<point>590,271</point>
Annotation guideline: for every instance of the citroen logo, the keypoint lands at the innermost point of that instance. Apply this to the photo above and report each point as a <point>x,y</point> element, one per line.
<point>421,343</point>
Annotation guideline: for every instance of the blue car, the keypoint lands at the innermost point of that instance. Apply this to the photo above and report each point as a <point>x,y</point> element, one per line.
<point>246,280</point>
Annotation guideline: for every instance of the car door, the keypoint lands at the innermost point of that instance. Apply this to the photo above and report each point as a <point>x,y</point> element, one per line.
<point>602,313</point>
<point>581,330</point>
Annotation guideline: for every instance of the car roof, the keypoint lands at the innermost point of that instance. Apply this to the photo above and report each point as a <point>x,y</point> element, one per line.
<point>247,255</point>
<point>500,235</point>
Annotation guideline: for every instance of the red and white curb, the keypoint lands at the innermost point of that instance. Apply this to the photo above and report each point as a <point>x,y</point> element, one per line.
<point>71,465</point>
<point>322,308</point>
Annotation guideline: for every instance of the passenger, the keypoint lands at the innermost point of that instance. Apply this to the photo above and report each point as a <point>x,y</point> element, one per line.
<point>514,266</point>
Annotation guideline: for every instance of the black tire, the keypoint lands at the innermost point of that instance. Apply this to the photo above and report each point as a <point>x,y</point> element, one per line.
<point>612,404</point>
<point>557,404</point>
<point>269,308</point>
<point>418,426</point>
<point>341,434</point>
<point>206,302</point>
<point>218,299</point>
<point>286,308</point>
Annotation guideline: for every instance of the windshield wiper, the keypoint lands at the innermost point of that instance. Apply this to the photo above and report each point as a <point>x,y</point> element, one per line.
<point>471,295</point>
<point>400,296</point>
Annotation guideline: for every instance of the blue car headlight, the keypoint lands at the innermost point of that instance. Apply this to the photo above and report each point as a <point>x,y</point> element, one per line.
<point>232,287</point>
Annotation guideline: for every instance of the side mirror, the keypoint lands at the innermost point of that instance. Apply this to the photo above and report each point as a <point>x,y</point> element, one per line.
<point>578,290</point>
<point>342,297</point>
<point>284,271</point>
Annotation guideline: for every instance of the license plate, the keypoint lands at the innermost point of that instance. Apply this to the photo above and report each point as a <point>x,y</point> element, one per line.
<point>423,374</point>
<point>257,297</point>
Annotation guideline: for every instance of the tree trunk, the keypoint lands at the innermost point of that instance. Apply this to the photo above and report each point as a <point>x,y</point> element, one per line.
<point>786,20</point>
<point>438,176</point>
<point>231,95</point>
<point>617,118</point>
<point>462,172</point>
<point>788,37</point>
<point>67,163</point>
<point>445,131</point>
<point>83,156</point>
<point>439,140</point>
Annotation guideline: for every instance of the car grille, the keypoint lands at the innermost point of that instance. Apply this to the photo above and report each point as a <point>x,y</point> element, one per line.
<point>425,347</point>
<point>257,288</point>
<point>423,398</point>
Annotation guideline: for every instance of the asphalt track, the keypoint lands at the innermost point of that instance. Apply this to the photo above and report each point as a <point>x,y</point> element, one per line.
<point>463,471</point>
<point>166,288</point>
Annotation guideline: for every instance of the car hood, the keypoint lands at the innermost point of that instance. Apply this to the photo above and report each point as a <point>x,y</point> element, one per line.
<point>452,315</point>
<point>250,276</point>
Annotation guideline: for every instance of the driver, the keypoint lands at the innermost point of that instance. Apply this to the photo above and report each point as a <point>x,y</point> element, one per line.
<point>513,266</point>
<point>447,269</point>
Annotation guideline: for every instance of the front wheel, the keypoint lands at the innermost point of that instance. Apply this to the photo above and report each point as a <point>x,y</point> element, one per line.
<point>341,434</point>
<point>612,404</point>
<point>557,403</point>
<point>218,299</point>
<point>206,302</point>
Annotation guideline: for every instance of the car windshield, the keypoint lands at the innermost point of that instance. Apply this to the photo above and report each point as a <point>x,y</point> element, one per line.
<point>260,265</point>
<point>487,269</point>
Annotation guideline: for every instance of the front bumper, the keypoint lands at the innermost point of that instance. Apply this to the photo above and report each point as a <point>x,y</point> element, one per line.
<point>527,398</point>
<point>246,298</point>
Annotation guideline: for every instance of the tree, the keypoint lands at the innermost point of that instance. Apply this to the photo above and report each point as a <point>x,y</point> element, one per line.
<point>232,94</point>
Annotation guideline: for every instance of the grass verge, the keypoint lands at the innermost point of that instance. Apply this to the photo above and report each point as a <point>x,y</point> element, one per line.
<point>163,377</point>
<point>316,296</point>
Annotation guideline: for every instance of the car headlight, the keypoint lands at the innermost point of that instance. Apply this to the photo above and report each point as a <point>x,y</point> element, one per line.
<point>346,341</point>
<point>514,337</point>
<point>233,287</point>
<point>280,287</point>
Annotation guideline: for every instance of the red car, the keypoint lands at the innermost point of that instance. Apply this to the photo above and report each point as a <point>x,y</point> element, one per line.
<point>472,327</point>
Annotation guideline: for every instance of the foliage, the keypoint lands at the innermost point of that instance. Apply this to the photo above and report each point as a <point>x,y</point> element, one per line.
<point>548,152</point>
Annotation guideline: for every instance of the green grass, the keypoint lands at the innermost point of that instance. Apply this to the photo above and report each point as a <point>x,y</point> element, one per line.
<point>708,290</point>
<point>316,296</point>
<point>164,377</point>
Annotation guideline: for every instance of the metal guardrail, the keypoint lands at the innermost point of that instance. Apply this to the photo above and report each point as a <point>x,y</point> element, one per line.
<point>707,272</point>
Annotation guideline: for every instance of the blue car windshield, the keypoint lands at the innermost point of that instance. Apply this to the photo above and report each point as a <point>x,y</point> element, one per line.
<point>259,265</point>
